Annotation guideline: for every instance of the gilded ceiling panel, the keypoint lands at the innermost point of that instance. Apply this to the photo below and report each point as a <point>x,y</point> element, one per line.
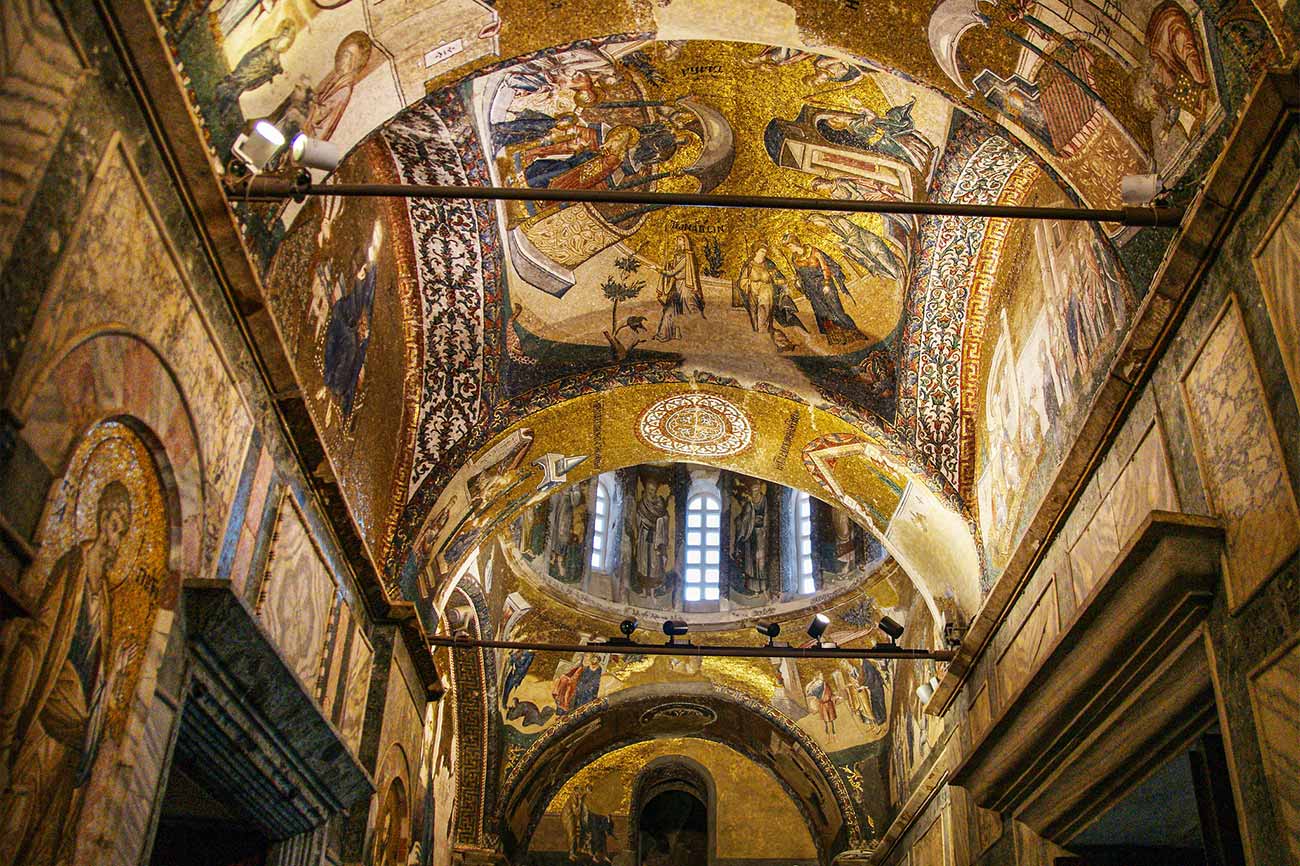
<point>896,325</point>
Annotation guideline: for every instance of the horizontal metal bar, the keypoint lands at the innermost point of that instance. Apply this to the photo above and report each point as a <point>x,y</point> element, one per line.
<point>885,651</point>
<point>274,188</point>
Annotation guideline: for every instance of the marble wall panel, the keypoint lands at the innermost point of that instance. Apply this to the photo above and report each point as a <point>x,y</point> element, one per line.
<point>1277,262</point>
<point>360,659</point>
<point>1240,459</point>
<point>1031,641</point>
<point>981,713</point>
<point>1094,550</point>
<point>297,595</point>
<point>1144,484</point>
<point>1275,694</point>
<point>263,470</point>
<point>930,849</point>
<point>336,667</point>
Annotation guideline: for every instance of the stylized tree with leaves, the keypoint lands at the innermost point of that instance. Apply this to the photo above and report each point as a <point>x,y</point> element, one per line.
<point>617,290</point>
<point>713,258</point>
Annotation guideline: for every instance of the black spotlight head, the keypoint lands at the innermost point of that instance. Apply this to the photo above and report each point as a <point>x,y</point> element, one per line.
<point>768,630</point>
<point>891,628</point>
<point>627,626</point>
<point>676,628</point>
<point>818,626</point>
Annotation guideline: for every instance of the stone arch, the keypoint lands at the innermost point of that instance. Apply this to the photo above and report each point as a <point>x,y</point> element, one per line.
<point>673,773</point>
<point>473,694</point>
<point>701,710</point>
<point>118,375</point>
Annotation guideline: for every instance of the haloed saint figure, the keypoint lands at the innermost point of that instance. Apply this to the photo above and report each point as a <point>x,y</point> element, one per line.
<point>69,668</point>
<point>57,678</point>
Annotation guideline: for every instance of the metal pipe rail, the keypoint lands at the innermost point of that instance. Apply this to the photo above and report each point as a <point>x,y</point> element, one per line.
<point>618,647</point>
<point>257,188</point>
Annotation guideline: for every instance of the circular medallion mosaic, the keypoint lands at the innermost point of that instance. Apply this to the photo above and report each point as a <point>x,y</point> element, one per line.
<point>696,425</point>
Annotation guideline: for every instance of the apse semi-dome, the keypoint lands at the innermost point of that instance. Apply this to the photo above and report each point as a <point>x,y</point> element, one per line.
<point>687,541</point>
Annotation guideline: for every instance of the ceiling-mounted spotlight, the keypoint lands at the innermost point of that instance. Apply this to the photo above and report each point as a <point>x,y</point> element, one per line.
<point>628,626</point>
<point>1137,190</point>
<point>259,146</point>
<point>675,628</point>
<point>315,153</point>
<point>891,627</point>
<point>925,691</point>
<point>818,627</point>
<point>768,630</point>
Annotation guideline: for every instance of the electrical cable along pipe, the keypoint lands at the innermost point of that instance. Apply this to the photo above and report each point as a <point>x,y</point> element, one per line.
<point>258,188</point>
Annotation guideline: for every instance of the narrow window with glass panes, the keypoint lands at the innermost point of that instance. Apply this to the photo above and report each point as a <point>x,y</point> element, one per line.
<point>600,528</point>
<point>703,546</point>
<point>804,542</point>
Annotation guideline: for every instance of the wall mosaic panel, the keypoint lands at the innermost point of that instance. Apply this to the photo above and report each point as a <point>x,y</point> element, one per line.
<point>117,253</point>
<point>69,674</point>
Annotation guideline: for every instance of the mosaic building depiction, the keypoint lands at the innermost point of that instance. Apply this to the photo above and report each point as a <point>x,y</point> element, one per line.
<point>575,525</point>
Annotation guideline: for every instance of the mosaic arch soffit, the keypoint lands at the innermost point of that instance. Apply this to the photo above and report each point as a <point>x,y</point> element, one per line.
<point>506,307</point>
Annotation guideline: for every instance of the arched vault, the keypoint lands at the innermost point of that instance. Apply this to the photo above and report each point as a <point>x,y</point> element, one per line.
<point>701,710</point>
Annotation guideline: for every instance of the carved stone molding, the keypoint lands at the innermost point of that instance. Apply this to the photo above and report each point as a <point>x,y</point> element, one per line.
<point>1123,688</point>
<point>249,728</point>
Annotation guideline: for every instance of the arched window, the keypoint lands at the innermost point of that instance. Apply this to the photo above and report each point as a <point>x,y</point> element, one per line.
<point>600,540</point>
<point>703,545</point>
<point>804,543</point>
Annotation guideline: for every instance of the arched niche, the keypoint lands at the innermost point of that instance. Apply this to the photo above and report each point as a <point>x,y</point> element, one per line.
<point>119,375</point>
<point>699,710</point>
<point>673,774</point>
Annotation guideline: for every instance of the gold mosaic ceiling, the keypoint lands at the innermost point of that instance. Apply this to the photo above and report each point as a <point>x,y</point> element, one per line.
<point>906,331</point>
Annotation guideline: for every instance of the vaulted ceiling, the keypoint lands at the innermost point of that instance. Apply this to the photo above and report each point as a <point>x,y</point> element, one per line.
<point>453,354</point>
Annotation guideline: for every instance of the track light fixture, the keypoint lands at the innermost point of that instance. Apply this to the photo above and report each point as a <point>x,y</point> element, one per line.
<point>258,146</point>
<point>628,626</point>
<point>818,627</point>
<point>893,628</point>
<point>675,628</point>
<point>768,630</point>
<point>315,153</point>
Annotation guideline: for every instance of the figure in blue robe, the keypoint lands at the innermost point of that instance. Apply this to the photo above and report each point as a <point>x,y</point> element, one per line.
<point>347,337</point>
<point>875,685</point>
<point>512,677</point>
<point>588,684</point>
